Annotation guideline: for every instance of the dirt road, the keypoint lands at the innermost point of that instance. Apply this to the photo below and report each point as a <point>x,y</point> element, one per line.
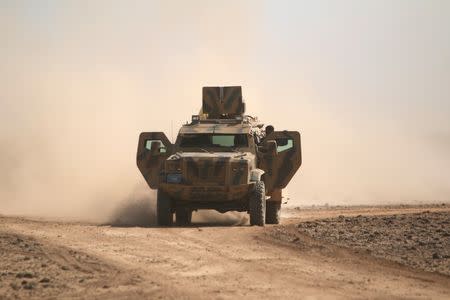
<point>42,258</point>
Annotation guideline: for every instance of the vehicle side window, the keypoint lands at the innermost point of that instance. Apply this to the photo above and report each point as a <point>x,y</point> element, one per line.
<point>284,144</point>
<point>150,143</point>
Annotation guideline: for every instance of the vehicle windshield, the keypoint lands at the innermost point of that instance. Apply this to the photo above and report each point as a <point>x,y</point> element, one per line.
<point>226,141</point>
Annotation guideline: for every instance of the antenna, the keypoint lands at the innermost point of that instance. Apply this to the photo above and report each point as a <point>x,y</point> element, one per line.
<point>171,131</point>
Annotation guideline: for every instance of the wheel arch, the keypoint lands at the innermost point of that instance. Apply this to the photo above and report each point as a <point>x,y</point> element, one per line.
<point>256,175</point>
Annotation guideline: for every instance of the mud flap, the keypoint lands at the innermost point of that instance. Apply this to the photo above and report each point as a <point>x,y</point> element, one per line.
<point>153,149</point>
<point>281,167</point>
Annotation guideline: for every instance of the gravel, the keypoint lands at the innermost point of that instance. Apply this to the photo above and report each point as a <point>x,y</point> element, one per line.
<point>420,240</point>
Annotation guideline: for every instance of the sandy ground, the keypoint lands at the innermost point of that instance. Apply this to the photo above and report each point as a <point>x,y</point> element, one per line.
<point>55,259</point>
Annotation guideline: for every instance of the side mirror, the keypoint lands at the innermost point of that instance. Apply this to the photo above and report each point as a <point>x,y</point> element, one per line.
<point>271,148</point>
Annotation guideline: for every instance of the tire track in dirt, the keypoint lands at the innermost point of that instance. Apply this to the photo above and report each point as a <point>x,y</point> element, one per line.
<point>204,262</point>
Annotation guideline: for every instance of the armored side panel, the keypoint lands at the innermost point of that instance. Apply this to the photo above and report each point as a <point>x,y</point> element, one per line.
<point>153,150</point>
<point>280,168</point>
<point>220,102</point>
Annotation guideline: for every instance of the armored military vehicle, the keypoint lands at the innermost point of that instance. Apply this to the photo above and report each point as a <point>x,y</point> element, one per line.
<point>223,160</point>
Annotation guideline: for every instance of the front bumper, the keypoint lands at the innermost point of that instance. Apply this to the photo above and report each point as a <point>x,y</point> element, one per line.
<point>207,193</point>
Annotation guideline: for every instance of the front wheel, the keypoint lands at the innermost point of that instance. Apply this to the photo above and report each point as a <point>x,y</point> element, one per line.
<point>164,215</point>
<point>257,205</point>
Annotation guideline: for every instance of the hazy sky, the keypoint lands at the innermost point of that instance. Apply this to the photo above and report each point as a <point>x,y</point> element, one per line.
<point>367,83</point>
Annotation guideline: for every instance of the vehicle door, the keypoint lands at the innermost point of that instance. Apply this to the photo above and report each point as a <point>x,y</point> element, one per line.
<point>281,164</point>
<point>153,150</point>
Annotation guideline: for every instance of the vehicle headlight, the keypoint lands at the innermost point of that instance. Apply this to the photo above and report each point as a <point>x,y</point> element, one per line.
<point>174,178</point>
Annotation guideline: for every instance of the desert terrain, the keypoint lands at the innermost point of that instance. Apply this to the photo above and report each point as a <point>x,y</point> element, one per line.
<point>316,253</point>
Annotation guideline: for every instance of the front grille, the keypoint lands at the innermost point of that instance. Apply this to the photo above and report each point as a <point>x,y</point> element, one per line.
<point>206,172</point>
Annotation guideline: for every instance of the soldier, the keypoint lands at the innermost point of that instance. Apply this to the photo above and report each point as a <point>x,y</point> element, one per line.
<point>269,129</point>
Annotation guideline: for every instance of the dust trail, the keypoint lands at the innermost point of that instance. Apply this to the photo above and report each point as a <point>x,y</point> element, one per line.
<point>212,217</point>
<point>139,209</point>
<point>136,210</point>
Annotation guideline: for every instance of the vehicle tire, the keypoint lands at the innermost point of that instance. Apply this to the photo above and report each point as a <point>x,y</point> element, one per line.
<point>273,212</point>
<point>183,216</point>
<point>257,205</point>
<point>164,215</point>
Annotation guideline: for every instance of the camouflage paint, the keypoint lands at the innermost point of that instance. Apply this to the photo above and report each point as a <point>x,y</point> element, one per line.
<point>220,101</point>
<point>151,164</point>
<point>280,169</point>
<point>215,176</point>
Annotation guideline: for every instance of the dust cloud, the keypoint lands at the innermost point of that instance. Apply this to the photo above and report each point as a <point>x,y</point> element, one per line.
<point>211,217</point>
<point>78,84</point>
<point>138,209</point>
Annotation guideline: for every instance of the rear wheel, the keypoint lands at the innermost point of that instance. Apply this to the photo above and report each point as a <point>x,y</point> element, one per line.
<point>273,212</point>
<point>257,205</point>
<point>183,216</point>
<point>164,215</point>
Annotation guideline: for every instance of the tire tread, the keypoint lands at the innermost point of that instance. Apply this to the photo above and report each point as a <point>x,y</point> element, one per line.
<point>257,205</point>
